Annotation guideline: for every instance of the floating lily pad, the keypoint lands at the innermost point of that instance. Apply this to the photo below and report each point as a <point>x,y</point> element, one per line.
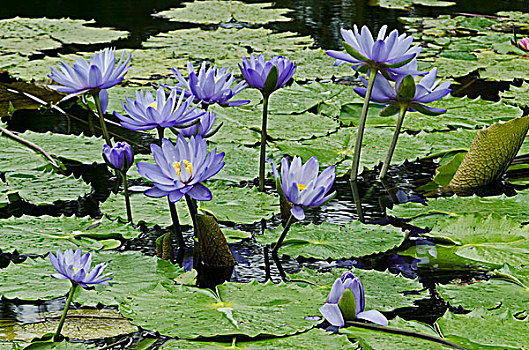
<point>64,345</point>
<point>186,312</point>
<point>39,69</point>
<point>242,163</point>
<point>31,35</point>
<point>238,126</point>
<point>330,241</point>
<point>315,64</point>
<point>13,152</point>
<point>80,324</point>
<point>152,211</point>
<point>308,340</point>
<point>485,329</point>
<point>117,95</point>
<point>40,235</point>
<point>215,12</point>
<point>503,67</point>
<point>517,95</point>
<point>406,4</point>
<point>42,187</point>
<point>151,64</point>
<point>384,291</point>
<point>378,340</point>
<point>491,294</point>
<point>243,205</point>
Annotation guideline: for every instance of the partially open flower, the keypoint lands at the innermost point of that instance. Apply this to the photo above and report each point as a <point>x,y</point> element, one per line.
<point>302,186</point>
<point>203,127</point>
<point>119,157</point>
<point>257,72</point>
<point>76,268</point>
<point>346,302</point>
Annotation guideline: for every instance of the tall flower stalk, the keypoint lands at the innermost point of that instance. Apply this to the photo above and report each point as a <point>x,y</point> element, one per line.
<point>267,77</point>
<point>391,55</point>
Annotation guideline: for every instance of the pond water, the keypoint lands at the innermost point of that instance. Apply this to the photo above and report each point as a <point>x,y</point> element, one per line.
<point>320,20</point>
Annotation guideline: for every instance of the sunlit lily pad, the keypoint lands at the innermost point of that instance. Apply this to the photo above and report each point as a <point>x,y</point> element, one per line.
<point>80,324</point>
<point>311,339</point>
<point>43,187</point>
<point>483,329</point>
<point>406,4</point>
<point>186,312</point>
<point>64,345</point>
<point>384,291</point>
<point>330,241</point>
<point>517,95</point>
<point>31,35</point>
<point>242,162</point>
<point>39,235</point>
<point>13,152</point>
<point>214,12</point>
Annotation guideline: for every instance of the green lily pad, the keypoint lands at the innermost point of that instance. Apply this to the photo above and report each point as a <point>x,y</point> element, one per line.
<point>242,163</point>
<point>13,152</point>
<point>152,211</point>
<point>330,241</point>
<point>80,324</point>
<point>155,63</point>
<point>308,340</point>
<point>406,4</point>
<point>215,12</point>
<point>243,205</point>
<point>517,95</point>
<point>315,64</point>
<point>186,312</point>
<point>492,239</point>
<point>238,126</point>
<point>32,35</point>
<point>42,187</point>
<point>503,67</point>
<point>384,291</point>
<point>515,207</point>
<point>117,95</point>
<point>491,294</point>
<point>378,340</point>
<point>64,345</point>
<point>481,329</point>
<point>40,235</point>
<point>39,69</point>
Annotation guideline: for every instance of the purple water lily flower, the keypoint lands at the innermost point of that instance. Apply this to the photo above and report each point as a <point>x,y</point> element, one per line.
<point>145,113</point>
<point>209,86</point>
<point>119,157</point>
<point>205,125</point>
<point>256,71</point>
<point>391,54</point>
<point>181,168</point>
<point>76,268</point>
<point>346,302</point>
<point>426,91</point>
<point>302,186</point>
<point>101,73</point>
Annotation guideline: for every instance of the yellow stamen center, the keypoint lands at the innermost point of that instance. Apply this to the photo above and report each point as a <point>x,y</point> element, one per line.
<point>178,167</point>
<point>75,270</point>
<point>154,105</point>
<point>301,187</point>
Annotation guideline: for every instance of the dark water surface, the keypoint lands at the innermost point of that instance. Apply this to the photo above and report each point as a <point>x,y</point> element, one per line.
<point>322,20</point>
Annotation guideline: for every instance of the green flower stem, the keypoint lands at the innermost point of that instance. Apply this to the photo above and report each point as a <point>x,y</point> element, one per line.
<point>358,201</point>
<point>127,198</point>
<point>362,124</point>
<point>385,166</point>
<point>405,332</point>
<point>172,206</point>
<point>192,205</point>
<point>283,235</point>
<point>65,311</point>
<point>95,94</point>
<point>263,143</point>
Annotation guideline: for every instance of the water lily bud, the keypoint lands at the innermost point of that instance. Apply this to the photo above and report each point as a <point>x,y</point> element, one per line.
<point>119,157</point>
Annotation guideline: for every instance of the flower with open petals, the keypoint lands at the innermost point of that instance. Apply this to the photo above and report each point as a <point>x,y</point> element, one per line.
<point>181,168</point>
<point>256,71</point>
<point>426,91</point>
<point>76,268</point>
<point>205,126</point>
<point>119,157</point>
<point>100,74</point>
<point>524,44</point>
<point>145,113</point>
<point>209,86</point>
<point>302,186</point>
<point>391,54</point>
<point>346,302</point>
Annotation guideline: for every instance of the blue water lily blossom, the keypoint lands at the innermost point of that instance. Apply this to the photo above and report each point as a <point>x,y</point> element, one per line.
<point>181,168</point>
<point>205,126</point>
<point>302,186</point>
<point>146,113</point>
<point>346,302</point>
<point>256,71</point>
<point>210,86</point>
<point>75,266</point>
<point>392,54</point>
<point>98,75</point>
<point>119,157</point>
<point>426,91</point>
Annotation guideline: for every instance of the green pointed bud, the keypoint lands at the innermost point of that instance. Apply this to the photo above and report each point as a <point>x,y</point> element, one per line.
<point>351,51</point>
<point>347,305</point>
<point>270,84</point>
<point>406,91</point>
